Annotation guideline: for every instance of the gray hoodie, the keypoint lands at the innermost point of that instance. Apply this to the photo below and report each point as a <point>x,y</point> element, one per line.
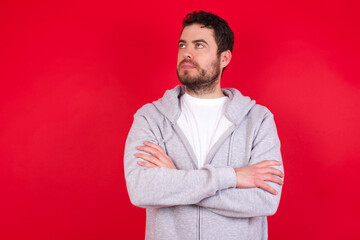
<point>202,203</point>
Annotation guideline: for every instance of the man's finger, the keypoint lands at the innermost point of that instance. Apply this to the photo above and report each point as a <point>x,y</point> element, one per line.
<point>267,188</point>
<point>156,153</point>
<point>148,158</point>
<point>155,146</point>
<point>272,178</point>
<point>150,150</point>
<point>271,170</point>
<point>267,163</point>
<point>146,164</point>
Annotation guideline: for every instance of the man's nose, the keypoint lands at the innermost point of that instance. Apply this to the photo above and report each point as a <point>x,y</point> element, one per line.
<point>188,55</point>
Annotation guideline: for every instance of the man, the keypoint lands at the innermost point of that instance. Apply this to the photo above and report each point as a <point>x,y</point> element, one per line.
<point>205,162</point>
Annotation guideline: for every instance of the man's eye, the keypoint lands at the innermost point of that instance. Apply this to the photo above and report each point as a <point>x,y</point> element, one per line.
<point>199,45</point>
<point>181,45</point>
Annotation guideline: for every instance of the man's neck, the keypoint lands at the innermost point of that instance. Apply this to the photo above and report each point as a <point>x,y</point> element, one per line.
<point>214,93</point>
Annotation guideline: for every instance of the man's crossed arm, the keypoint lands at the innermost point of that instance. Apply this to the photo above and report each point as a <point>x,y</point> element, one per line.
<point>250,191</point>
<point>253,176</point>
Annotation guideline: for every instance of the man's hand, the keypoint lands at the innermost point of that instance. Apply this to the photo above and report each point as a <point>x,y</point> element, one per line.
<point>157,157</point>
<point>256,175</point>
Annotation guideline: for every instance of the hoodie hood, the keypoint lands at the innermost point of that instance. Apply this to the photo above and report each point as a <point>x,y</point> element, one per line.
<point>236,107</point>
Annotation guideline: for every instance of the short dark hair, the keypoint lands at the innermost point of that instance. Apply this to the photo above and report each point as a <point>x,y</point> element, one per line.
<point>224,36</point>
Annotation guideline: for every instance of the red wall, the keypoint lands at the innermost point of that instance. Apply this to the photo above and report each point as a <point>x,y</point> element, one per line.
<point>73,74</point>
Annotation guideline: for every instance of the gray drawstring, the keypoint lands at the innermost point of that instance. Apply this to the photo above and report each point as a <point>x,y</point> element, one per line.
<point>164,138</point>
<point>230,147</point>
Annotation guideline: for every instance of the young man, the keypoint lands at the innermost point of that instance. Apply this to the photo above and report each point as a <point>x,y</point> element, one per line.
<point>205,162</point>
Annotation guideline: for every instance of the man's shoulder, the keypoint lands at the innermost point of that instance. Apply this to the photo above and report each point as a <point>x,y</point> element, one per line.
<point>257,109</point>
<point>146,110</point>
<point>260,110</point>
<point>242,107</point>
<point>166,106</point>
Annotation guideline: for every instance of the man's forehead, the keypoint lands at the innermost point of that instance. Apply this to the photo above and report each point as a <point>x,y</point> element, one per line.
<point>197,31</point>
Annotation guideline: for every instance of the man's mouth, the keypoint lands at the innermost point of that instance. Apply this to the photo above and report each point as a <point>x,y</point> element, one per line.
<point>187,66</point>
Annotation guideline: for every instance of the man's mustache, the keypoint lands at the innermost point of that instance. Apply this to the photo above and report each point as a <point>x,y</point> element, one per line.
<point>189,61</point>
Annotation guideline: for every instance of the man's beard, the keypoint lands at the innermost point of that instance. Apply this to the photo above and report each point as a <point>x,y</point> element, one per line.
<point>203,83</point>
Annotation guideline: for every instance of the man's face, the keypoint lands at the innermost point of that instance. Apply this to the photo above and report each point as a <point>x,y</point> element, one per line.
<point>198,66</point>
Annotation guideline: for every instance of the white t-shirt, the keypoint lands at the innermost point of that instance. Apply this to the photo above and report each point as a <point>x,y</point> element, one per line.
<point>203,122</point>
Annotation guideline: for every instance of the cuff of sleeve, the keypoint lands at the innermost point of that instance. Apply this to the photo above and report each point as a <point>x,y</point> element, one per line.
<point>227,177</point>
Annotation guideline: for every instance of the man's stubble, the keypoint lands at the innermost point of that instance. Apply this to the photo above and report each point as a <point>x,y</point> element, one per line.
<point>204,82</point>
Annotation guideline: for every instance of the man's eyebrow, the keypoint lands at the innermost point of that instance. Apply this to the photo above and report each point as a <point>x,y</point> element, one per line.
<point>200,41</point>
<point>195,41</point>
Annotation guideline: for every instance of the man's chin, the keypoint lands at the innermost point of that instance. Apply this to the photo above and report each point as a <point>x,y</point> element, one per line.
<point>187,77</point>
<point>188,74</point>
<point>184,80</point>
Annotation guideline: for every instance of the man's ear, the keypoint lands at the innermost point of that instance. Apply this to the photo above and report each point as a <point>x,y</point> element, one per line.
<point>225,58</point>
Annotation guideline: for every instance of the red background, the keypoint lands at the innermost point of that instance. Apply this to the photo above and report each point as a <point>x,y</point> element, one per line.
<point>74,73</point>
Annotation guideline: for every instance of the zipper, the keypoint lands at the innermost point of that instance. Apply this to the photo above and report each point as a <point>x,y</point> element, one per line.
<point>195,166</point>
<point>218,143</point>
<point>198,224</point>
<point>209,157</point>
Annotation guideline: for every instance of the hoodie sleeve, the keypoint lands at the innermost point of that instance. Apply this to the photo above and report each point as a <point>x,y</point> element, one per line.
<point>252,202</point>
<point>163,187</point>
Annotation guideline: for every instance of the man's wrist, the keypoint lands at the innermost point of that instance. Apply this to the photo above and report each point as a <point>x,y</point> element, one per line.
<point>227,177</point>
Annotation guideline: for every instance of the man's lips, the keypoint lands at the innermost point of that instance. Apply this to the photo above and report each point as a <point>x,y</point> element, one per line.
<point>187,66</point>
